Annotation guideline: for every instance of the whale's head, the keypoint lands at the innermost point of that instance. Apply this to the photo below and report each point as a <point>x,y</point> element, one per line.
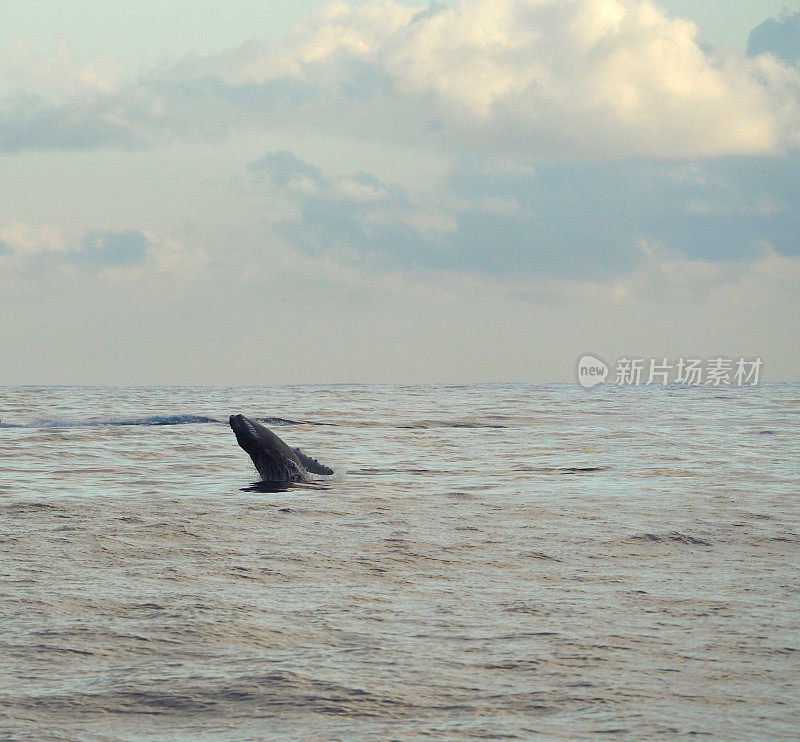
<point>248,435</point>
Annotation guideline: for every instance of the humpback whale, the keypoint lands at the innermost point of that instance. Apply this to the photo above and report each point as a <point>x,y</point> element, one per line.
<point>275,461</point>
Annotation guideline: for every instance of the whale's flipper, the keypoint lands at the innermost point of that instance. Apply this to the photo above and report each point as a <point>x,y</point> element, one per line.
<point>310,464</point>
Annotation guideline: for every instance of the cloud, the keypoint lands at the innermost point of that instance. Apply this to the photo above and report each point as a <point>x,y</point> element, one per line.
<point>25,241</point>
<point>283,167</point>
<point>566,78</point>
<point>672,278</point>
<point>57,73</point>
<point>55,101</point>
<point>780,38</point>
<point>596,79</point>
<point>111,249</point>
<point>41,251</point>
<point>564,219</point>
<point>30,123</point>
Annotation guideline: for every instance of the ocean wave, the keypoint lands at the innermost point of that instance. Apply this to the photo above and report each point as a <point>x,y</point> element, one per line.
<point>149,421</point>
<point>671,537</point>
<point>286,421</point>
<point>562,469</point>
<point>115,421</point>
<point>425,424</point>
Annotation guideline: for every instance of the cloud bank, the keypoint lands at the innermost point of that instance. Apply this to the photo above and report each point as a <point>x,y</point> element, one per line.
<point>596,79</point>
<point>554,219</point>
<point>38,251</point>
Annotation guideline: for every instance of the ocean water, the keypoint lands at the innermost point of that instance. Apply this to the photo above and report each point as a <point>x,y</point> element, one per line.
<point>491,561</point>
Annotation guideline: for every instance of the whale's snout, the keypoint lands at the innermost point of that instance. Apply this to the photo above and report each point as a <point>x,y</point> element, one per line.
<point>238,426</point>
<point>237,422</point>
<point>246,431</point>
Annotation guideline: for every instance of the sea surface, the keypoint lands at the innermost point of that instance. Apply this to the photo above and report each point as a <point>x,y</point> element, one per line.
<point>489,561</point>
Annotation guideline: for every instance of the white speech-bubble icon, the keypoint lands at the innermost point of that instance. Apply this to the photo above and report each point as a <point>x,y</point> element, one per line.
<point>591,371</point>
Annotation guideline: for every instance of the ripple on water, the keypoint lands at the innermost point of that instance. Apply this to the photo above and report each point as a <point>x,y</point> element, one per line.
<point>499,561</point>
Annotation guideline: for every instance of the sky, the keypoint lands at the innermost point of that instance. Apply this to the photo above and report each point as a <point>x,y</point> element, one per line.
<point>474,190</point>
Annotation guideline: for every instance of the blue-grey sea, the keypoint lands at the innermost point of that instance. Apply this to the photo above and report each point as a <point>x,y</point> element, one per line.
<point>489,561</point>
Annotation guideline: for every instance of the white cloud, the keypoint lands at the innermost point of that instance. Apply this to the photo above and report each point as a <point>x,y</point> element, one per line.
<point>25,240</point>
<point>596,79</point>
<point>663,279</point>
<point>57,101</point>
<point>178,258</point>
<point>57,75</point>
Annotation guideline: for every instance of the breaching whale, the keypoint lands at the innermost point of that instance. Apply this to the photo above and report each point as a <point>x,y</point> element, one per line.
<point>275,461</point>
